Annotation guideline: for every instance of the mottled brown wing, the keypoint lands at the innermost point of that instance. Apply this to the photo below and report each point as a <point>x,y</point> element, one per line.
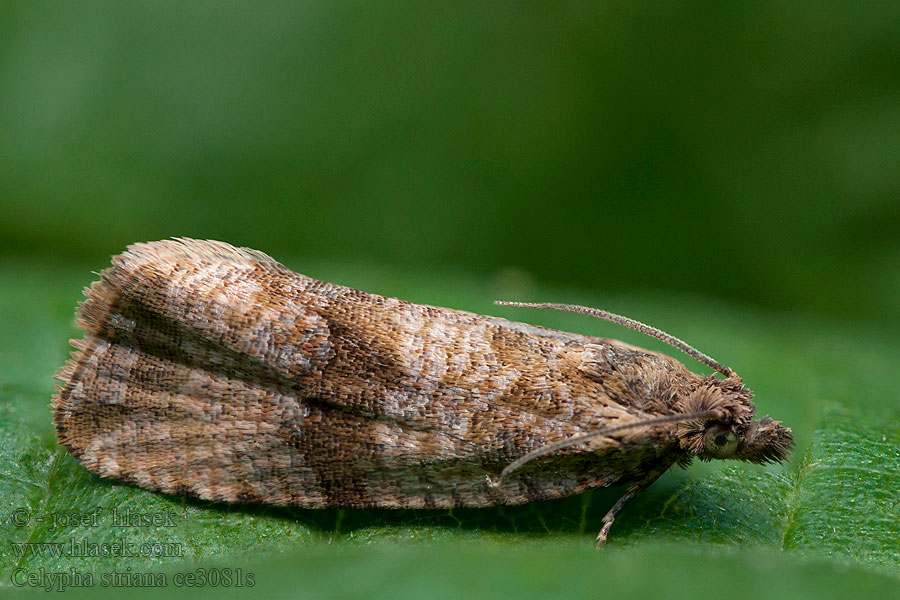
<point>216,372</point>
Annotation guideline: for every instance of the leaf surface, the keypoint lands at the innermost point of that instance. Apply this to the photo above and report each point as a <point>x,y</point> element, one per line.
<point>833,509</point>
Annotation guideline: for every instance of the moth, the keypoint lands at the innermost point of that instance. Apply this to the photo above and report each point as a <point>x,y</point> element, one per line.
<point>215,372</point>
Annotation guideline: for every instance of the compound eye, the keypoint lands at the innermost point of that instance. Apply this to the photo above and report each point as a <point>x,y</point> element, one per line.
<point>719,442</point>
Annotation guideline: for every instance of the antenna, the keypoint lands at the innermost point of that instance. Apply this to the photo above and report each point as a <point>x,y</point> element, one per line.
<point>572,441</point>
<point>631,324</point>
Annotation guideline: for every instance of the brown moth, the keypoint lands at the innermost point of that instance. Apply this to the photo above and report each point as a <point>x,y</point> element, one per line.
<point>215,372</point>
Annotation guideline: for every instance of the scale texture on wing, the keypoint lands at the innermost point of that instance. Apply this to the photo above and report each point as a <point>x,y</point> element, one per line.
<point>216,372</point>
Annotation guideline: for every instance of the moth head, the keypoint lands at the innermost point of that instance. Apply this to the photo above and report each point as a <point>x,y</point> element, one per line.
<point>715,420</point>
<point>733,433</point>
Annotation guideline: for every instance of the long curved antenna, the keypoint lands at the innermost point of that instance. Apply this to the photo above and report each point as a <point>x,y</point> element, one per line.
<point>631,324</point>
<point>572,441</point>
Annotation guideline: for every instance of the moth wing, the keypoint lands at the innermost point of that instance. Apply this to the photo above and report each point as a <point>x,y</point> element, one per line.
<point>214,371</point>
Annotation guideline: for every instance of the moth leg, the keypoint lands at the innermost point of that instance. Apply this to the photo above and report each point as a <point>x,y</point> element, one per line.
<point>633,490</point>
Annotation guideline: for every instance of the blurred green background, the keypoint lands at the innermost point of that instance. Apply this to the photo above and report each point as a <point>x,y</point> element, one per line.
<point>730,169</point>
<point>742,150</point>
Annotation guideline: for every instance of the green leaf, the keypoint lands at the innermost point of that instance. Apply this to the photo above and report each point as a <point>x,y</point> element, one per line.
<point>824,526</point>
